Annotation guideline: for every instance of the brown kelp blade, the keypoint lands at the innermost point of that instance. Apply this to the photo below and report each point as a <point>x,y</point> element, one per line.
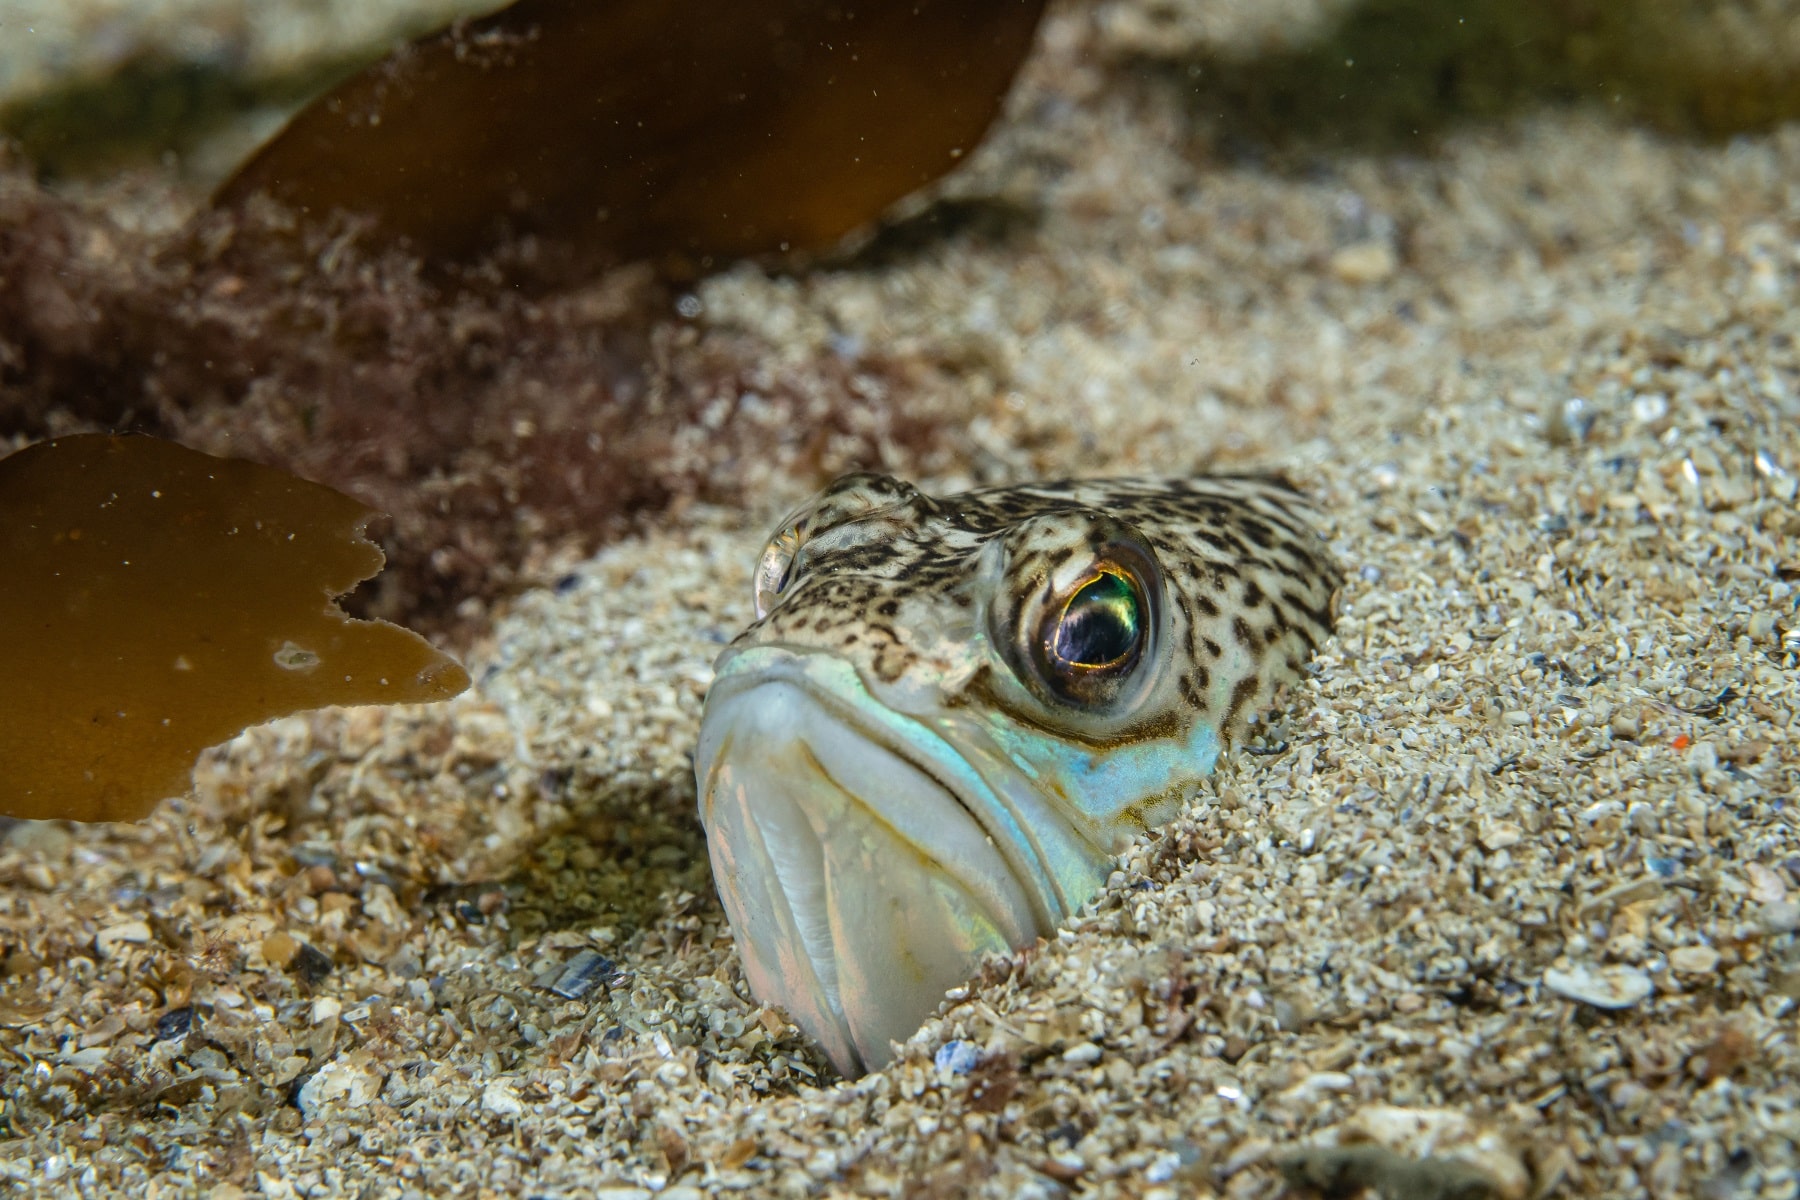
<point>624,129</point>
<point>155,601</point>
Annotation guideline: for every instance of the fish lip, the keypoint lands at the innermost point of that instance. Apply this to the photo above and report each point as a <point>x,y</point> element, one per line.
<point>990,803</point>
<point>807,974</point>
<point>791,953</point>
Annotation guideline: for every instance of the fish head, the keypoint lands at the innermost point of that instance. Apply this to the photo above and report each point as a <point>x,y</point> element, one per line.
<point>951,714</point>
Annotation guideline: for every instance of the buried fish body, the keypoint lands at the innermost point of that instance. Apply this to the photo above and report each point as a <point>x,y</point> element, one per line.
<point>952,713</point>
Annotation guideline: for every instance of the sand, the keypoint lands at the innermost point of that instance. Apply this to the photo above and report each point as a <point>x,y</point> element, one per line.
<point>1504,901</point>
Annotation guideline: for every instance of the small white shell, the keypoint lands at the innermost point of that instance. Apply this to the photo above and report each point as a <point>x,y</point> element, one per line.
<point>1602,987</point>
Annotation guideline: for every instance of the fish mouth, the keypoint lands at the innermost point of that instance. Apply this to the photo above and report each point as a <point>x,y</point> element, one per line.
<point>864,863</point>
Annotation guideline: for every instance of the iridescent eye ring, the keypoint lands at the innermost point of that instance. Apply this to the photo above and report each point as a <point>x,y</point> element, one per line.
<point>1092,638</point>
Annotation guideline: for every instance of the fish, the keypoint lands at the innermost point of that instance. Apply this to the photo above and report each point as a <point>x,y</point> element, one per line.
<point>951,714</point>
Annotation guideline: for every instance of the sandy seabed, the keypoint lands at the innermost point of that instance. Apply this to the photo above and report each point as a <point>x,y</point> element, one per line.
<point>1505,902</point>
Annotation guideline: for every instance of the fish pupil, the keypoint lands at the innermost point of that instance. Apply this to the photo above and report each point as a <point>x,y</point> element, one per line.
<point>1100,625</point>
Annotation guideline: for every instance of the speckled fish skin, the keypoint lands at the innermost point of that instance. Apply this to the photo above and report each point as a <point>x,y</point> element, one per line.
<point>909,761</point>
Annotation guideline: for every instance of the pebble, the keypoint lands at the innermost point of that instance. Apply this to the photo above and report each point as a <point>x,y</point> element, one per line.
<point>1317,1084</point>
<point>174,1024</point>
<point>1371,261</point>
<point>1694,960</point>
<point>129,933</point>
<point>1082,1054</point>
<point>1163,1168</point>
<point>1498,835</point>
<point>582,974</point>
<point>1766,887</point>
<point>1426,1133</point>
<point>311,964</point>
<point>1783,917</point>
<point>1602,987</point>
<point>354,1085</point>
<point>279,949</point>
<point>499,1098</point>
<point>957,1057</point>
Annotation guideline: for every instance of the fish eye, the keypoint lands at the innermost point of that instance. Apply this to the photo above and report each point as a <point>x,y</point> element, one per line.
<point>776,569</point>
<point>1093,636</point>
<point>1100,626</point>
<point>1080,631</point>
